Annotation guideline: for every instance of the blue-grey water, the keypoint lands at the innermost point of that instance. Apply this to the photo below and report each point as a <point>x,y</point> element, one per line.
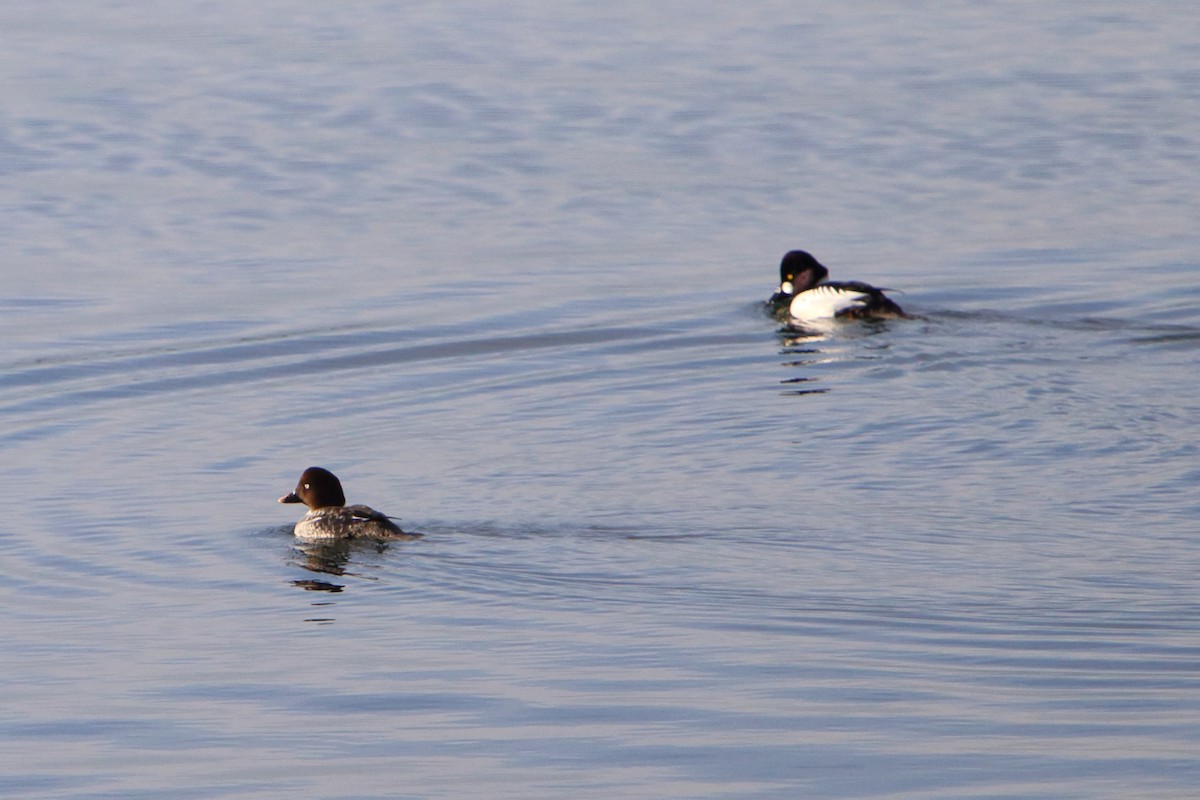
<point>498,265</point>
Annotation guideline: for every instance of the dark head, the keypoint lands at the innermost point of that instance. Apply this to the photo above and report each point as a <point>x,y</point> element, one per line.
<point>318,488</point>
<point>800,271</point>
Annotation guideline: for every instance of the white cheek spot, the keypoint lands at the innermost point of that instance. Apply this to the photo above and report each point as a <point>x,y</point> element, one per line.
<point>786,287</point>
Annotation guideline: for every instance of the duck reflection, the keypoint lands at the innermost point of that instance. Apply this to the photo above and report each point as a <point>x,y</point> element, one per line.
<point>799,345</point>
<point>333,557</point>
<point>813,345</point>
<point>319,586</point>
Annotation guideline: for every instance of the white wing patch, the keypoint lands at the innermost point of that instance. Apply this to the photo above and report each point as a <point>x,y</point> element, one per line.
<point>824,301</point>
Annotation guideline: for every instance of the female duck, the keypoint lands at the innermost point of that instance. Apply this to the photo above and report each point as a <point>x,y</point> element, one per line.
<point>804,294</point>
<point>328,515</point>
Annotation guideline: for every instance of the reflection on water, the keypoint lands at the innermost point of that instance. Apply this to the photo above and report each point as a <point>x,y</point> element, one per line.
<point>816,343</point>
<point>802,391</point>
<point>332,557</point>
<point>319,586</point>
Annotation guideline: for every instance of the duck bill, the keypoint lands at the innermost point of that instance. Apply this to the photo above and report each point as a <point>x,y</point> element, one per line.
<point>290,497</point>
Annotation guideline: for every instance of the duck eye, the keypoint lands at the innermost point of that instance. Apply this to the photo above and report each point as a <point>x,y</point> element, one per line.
<point>306,486</point>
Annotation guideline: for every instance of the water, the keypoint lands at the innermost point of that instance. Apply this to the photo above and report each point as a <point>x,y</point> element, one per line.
<point>498,267</point>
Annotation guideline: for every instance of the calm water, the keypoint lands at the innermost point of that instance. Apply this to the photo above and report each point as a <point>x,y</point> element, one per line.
<point>498,267</point>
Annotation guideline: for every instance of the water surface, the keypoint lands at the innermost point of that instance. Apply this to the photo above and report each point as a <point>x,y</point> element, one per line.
<point>499,267</point>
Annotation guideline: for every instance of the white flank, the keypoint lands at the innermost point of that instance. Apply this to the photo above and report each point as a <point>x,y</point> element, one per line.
<point>824,301</point>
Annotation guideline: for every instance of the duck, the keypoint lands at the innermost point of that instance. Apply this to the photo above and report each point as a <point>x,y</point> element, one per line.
<point>804,294</point>
<point>329,517</point>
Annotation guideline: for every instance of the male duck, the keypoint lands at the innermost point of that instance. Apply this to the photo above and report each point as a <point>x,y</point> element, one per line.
<point>804,294</point>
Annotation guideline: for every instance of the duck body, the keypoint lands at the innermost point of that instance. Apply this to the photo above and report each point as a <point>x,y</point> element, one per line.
<point>805,294</point>
<point>348,522</point>
<point>329,517</point>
